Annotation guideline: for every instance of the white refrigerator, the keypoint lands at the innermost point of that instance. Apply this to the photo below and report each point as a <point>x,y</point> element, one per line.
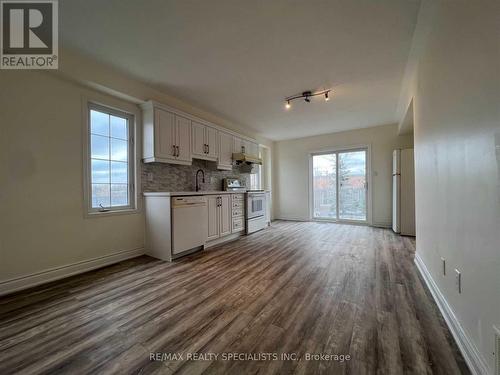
<point>403,192</point>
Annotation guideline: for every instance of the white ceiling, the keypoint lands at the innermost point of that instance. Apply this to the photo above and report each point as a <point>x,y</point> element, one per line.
<point>239,59</point>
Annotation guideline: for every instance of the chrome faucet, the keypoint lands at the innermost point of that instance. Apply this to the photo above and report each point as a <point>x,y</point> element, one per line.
<point>202,178</point>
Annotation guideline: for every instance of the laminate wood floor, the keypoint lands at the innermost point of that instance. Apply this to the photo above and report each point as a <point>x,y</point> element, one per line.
<point>295,288</point>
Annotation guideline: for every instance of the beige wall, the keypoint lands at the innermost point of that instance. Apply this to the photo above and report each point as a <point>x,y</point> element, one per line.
<point>457,143</point>
<point>291,169</point>
<point>43,224</point>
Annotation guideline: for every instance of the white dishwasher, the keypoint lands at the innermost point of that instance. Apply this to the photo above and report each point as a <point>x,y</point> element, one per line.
<point>189,223</point>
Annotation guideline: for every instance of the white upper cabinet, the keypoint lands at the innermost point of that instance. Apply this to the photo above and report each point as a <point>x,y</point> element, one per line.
<point>225,151</point>
<point>199,146</point>
<point>166,136</point>
<point>164,129</point>
<point>183,137</point>
<point>238,145</point>
<point>251,148</point>
<point>204,141</point>
<point>212,142</point>
<point>245,146</point>
<point>172,136</point>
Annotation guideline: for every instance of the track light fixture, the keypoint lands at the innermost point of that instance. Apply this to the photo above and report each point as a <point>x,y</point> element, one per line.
<point>307,95</point>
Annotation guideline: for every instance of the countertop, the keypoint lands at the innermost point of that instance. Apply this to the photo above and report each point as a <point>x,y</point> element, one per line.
<point>184,193</point>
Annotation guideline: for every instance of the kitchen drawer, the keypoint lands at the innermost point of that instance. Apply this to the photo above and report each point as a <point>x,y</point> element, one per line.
<point>239,197</point>
<point>238,224</point>
<point>238,212</point>
<point>238,204</point>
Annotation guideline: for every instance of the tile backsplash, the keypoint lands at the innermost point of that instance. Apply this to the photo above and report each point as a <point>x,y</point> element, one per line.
<point>173,177</point>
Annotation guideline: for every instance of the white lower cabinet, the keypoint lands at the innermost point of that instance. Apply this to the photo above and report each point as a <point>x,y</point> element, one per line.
<point>219,216</point>
<point>225,215</point>
<point>238,212</point>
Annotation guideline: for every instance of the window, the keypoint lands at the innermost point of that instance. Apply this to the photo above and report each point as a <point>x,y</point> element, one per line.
<point>110,160</point>
<point>339,185</point>
<point>255,178</point>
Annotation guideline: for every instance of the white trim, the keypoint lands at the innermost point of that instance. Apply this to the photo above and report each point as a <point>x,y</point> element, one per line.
<point>477,364</point>
<point>292,219</point>
<point>382,225</point>
<point>369,200</point>
<point>134,112</point>
<point>56,273</point>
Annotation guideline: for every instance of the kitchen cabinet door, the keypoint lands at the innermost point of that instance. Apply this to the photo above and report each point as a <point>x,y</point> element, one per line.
<point>252,148</point>
<point>225,151</point>
<point>213,217</point>
<point>198,144</point>
<point>164,134</point>
<point>211,141</point>
<point>183,136</point>
<point>225,215</point>
<point>238,144</point>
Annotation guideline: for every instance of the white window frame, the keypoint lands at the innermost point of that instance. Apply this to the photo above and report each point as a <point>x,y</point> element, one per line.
<point>131,118</point>
<point>369,189</point>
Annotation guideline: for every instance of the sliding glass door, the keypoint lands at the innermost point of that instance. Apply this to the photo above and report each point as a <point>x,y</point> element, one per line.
<point>339,190</point>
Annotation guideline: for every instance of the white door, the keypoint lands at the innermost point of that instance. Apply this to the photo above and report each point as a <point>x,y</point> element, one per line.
<point>225,151</point>
<point>225,215</point>
<point>198,139</point>
<point>213,217</point>
<point>339,185</point>
<point>211,140</point>
<point>164,134</point>
<point>352,179</point>
<point>183,136</point>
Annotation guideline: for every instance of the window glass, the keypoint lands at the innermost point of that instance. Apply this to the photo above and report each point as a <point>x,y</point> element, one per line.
<point>110,176</point>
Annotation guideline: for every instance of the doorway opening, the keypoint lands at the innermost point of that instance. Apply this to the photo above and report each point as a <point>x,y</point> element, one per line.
<point>339,182</point>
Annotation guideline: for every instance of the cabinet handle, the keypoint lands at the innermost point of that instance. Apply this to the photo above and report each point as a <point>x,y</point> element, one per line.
<point>205,148</point>
<point>243,149</point>
<point>173,150</point>
<point>208,149</point>
<point>177,148</point>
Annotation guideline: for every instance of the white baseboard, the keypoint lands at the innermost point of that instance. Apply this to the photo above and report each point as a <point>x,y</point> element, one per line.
<point>28,281</point>
<point>382,225</point>
<point>291,219</point>
<point>474,359</point>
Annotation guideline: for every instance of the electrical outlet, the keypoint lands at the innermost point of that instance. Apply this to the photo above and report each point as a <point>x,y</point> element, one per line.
<point>458,280</point>
<point>443,262</point>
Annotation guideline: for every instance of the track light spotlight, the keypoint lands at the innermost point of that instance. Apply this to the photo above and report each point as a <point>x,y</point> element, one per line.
<point>306,95</point>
